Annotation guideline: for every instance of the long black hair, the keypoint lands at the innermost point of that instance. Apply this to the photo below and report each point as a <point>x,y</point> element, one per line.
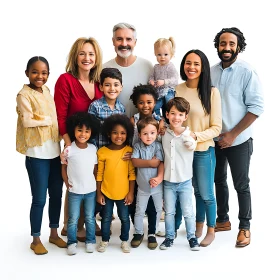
<point>204,84</point>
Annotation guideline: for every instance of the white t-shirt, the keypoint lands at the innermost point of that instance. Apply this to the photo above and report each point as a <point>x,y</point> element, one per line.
<point>133,75</point>
<point>80,168</point>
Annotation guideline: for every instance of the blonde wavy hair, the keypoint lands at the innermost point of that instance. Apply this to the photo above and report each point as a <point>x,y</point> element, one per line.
<point>72,65</point>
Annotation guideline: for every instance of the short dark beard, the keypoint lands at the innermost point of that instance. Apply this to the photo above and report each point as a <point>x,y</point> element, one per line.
<point>232,58</point>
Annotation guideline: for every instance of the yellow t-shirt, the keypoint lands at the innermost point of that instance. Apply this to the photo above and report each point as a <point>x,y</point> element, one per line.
<point>114,172</point>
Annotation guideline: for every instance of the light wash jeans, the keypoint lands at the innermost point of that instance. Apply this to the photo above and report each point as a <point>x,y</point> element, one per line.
<point>203,182</point>
<point>183,191</point>
<point>141,206</point>
<point>74,202</point>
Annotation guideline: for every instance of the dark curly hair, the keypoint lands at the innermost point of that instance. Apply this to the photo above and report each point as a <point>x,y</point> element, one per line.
<point>118,119</point>
<point>140,90</point>
<point>237,33</point>
<point>81,119</point>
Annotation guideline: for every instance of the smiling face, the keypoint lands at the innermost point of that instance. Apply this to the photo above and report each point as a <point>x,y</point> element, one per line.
<point>37,74</point>
<point>86,57</point>
<point>124,42</point>
<point>148,134</point>
<point>163,54</point>
<point>176,118</point>
<point>111,88</point>
<point>82,135</point>
<point>228,48</point>
<point>193,66</point>
<point>118,135</point>
<point>145,105</point>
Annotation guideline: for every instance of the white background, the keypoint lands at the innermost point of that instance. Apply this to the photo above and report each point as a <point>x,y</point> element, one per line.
<point>49,28</point>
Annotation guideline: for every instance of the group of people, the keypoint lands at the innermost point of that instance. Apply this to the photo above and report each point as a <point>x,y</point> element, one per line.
<point>134,137</point>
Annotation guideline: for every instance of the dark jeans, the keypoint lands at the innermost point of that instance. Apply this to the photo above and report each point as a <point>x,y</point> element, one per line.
<point>150,211</point>
<point>107,211</point>
<point>238,157</point>
<point>44,174</point>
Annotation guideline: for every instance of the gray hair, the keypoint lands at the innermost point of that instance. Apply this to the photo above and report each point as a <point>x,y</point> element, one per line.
<point>123,25</point>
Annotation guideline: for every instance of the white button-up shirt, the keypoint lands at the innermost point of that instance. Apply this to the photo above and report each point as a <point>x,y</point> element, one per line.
<point>178,158</point>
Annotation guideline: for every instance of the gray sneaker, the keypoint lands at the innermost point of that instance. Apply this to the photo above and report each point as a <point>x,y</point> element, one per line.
<point>89,247</point>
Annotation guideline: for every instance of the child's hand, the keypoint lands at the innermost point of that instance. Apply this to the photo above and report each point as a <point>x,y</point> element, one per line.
<point>159,83</point>
<point>68,186</point>
<point>128,199</point>
<point>127,156</point>
<point>155,181</point>
<point>152,82</point>
<point>64,155</point>
<point>154,162</point>
<point>101,199</point>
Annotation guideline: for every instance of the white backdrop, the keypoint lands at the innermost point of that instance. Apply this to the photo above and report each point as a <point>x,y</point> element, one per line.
<point>48,29</point>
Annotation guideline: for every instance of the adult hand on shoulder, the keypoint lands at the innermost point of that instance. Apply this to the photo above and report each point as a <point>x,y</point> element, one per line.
<point>226,139</point>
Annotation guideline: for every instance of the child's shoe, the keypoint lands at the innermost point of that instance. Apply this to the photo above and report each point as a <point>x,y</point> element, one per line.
<point>152,242</point>
<point>102,246</point>
<point>125,247</point>
<point>136,240</point>
<point>194,244</point>
<point>166,244</point>
<point>160,233</point>
<point>89,247</point>
<point>72,249</point>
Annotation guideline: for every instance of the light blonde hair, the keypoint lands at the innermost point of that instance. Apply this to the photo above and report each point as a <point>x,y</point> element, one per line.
<point>170,43</point>
<point>72,65</point>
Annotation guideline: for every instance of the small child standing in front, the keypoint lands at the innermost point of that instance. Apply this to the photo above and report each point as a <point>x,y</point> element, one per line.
<point>178,148</point>
<point>79,178</point>
<point>115,178</point>
<point>164,76</point>
<point>149,176</point>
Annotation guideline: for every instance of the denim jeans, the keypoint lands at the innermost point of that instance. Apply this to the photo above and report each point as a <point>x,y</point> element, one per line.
<point>238,157</point>
<point>74,206</point>
<point>183,191</point>
<point>107,211</point>
<point>44,174</point>
<point>141,206</point>
<point>161,102</point>
<point>203,183</point>
<point>150,211</point>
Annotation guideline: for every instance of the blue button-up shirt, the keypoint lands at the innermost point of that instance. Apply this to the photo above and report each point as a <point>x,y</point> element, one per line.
<point>102,110</point>
<point>142,151</point>
<point>241,92</point>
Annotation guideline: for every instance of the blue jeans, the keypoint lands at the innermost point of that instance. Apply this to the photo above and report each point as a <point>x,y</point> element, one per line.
<point>203,182</point>
<point>238,157</point>
<point>161,102</point>
<point>44,174</point>
<point>74,206</point>
<point>183,191</point>
<point>107,211</point>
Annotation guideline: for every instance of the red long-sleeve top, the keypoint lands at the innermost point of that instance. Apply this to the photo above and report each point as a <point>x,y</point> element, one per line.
<point>70,98</point>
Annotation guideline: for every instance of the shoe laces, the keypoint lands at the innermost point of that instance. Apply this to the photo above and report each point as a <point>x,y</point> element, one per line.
<point>193,242</point>
<point>125,245</point>
<point>168,242</point>
<point>244,232</point>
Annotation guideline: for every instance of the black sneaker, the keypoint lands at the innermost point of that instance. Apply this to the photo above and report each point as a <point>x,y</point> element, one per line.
<point>194,244</point>
<point>166,244</point>
<point>136,240</point>
<point>152,242</point>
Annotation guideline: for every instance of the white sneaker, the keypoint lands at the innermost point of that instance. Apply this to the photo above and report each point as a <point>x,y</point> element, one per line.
<point>72,249</point>
<point>89,247</point>
<point>125,247</point>
<point>102,246</point>
<point>98,217</point>
<point>160,233</point>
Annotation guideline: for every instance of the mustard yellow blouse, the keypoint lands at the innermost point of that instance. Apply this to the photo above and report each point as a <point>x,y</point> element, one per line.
<point>37,120</point>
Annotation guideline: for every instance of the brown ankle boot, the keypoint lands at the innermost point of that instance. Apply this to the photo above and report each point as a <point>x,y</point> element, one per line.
<point>210,236</point>
<point>199,229</point>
